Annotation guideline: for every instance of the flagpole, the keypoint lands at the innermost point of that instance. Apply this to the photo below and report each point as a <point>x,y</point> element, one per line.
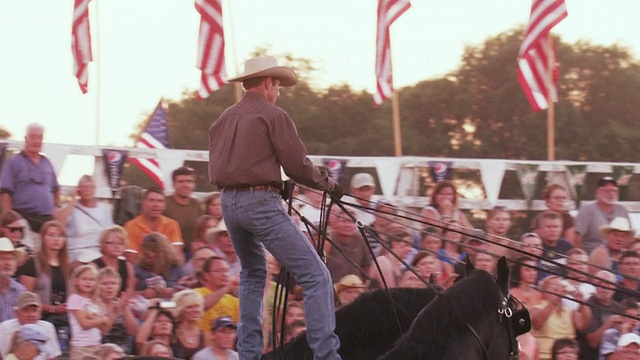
<point>236,86</point>
<point>98,69</point>
<point>551,135</point>
<point>395,118</point>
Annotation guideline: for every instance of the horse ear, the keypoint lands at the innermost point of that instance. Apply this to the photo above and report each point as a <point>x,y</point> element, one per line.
<point>469,268</point>
<point>432,279</point>
<point>503,275</point>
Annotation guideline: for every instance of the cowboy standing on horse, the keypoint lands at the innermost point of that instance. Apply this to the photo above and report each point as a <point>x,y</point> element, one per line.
<point>248,145</point>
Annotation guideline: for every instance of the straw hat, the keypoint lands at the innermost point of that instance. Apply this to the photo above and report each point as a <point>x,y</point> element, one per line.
<point>213,233</point>
<point>267,66</point>
<point>618,224</point>
<point>349,281</point>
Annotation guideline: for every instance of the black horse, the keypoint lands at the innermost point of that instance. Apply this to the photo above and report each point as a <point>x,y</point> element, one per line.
<point>474,319</point>
<point>367,327</point>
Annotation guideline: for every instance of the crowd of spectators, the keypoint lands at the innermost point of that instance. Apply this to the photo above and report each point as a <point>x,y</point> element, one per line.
<point>73,284</point>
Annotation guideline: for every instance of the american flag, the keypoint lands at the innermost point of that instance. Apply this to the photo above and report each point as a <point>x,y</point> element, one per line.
<point>154,136</point>
<point>535,51</point>
<point>210,47</point>
<point>388,12</point>
<point>81,43</point>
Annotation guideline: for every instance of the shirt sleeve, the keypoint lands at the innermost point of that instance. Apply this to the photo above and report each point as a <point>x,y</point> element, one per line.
<point>609,342</point>
<point>28,269</point>
<point>292,154</point>
<point>582,222</point>
<point>5,338</point>
<point>7,180</point>
<point>52,340</point>
<point>54,179</point>
<point>75,302</point>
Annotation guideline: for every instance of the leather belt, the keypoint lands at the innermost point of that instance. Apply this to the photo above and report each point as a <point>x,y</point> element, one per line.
<point>268,187</point>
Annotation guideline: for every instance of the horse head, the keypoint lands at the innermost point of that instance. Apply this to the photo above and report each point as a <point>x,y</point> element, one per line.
<point>470,320</point>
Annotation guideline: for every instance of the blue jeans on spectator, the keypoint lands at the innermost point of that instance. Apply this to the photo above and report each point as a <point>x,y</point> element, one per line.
<point>255,218</point>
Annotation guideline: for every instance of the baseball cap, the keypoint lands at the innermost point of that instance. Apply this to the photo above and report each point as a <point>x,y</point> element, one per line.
<point>362,179</point>
<point>28,298</point>
<point>223,321</point>
<point>33,334</point>
<point>477,235</point>
<point>607,180</point>
<point>628,339</point>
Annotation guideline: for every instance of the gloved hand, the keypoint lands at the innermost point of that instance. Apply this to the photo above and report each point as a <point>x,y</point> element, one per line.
<point>287,189</point>
<point>336,192</point>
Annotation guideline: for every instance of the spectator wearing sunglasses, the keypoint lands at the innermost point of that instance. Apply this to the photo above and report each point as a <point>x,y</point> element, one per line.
<point>13,227</point>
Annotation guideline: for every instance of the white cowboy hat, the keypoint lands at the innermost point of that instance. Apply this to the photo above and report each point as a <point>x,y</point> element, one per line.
<point>267,66</point>
<point>618,224</point>
<point>349,281</point>
<point>6,246</point>
<point>213,233</point>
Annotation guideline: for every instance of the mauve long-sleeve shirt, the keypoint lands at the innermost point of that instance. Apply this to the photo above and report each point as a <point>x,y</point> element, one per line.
<point>251,140</point>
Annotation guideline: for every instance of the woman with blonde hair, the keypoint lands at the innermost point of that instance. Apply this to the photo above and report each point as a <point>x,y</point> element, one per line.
<point>84,217</point>
<point>46,274</point>
<point>189,337</point>
<point>113,242</point>
<point>159,269</point>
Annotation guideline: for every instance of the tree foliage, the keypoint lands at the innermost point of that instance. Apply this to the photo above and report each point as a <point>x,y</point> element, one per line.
<point>476,111</point>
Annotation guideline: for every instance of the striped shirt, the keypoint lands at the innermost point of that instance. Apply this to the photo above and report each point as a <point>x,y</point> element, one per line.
<point>251,140</point>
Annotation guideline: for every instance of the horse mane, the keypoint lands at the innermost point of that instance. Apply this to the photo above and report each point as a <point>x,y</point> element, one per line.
<point>444,320</point>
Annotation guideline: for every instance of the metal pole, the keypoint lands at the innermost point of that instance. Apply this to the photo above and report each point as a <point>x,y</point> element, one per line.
<point>97,61</point>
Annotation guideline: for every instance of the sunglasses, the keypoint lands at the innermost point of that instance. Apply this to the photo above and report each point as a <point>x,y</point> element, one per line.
<point>15,229</point>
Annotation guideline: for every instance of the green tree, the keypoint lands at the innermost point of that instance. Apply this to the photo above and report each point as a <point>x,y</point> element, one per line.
<point>479,110</point>
<point>476,111</point>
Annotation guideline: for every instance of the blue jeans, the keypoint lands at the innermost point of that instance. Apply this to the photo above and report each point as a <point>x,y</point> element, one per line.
<point>255,218</point>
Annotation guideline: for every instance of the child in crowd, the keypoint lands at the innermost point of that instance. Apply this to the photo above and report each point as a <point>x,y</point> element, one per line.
<point>84,313</point>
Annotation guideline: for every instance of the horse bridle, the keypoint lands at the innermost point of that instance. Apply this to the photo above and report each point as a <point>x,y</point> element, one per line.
<point>505,312</point>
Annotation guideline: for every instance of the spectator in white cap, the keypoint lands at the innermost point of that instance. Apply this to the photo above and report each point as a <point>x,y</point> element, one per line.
<point>363,186</point>
<point>9,288</point>
<point>622,325</point>
<point>28,310</point>
<point>27,343</point>
<point>628,348</point>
